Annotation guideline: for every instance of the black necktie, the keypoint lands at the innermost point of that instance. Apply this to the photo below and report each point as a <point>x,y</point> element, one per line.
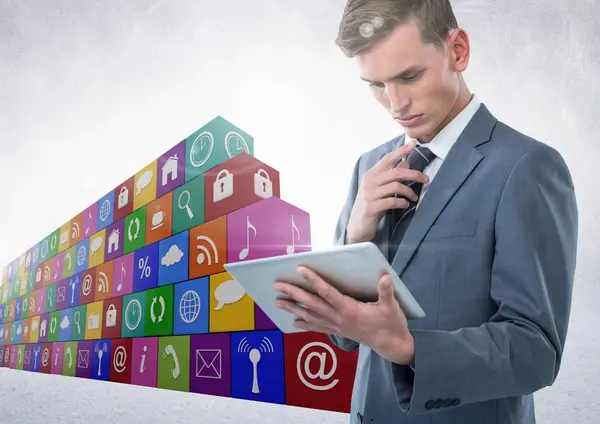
<point>417,159</point>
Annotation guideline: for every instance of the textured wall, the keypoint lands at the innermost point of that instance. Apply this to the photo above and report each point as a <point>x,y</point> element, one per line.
<point>91,91</point>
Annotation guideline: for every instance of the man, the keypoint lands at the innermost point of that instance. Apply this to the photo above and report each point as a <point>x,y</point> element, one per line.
<point>480,222</point>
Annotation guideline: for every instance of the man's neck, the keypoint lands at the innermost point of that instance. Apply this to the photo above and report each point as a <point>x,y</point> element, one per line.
<point>463,100</point>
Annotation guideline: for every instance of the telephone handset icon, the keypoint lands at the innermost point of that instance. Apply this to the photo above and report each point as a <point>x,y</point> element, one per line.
<point>70,355</point>
<point>170,351</point>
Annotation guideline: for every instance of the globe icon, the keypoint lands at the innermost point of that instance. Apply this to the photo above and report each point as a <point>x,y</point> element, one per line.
<point>104,210</point>
<point>189,306</point>
<point>81,255</point>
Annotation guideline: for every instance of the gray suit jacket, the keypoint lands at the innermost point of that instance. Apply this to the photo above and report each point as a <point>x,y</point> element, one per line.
<point>490,256</point>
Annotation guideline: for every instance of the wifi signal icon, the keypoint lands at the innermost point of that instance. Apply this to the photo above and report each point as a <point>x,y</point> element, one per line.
<point>46,273</point>
<point>75,231</point>
<point>204,254</point>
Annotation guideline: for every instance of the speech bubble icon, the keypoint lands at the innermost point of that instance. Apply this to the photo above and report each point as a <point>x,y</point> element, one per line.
<point>228,292</point>
<point>96,243</point>
<point>143,181</point>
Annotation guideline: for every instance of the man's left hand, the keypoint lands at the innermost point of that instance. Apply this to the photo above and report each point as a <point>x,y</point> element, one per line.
<point>380,325</point>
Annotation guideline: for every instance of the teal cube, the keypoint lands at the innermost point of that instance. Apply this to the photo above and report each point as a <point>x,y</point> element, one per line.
<point>216,142</point>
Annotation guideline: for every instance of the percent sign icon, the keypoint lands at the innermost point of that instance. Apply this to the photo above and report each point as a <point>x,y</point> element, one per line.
<point>143,265</point>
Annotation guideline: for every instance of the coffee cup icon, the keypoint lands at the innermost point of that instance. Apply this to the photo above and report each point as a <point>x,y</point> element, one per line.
<point>157,219</point>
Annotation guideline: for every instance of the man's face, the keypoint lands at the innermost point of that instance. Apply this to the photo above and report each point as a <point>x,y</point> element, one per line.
<point>417,83</point>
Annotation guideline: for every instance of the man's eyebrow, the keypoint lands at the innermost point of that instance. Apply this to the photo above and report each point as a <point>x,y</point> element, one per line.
<point>405,73</point>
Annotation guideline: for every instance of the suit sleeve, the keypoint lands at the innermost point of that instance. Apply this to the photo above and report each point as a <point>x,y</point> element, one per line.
<point>340,239</point>
<point>519,350</point>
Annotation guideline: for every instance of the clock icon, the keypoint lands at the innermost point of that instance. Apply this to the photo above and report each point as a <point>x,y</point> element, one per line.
<point>201,149</point>
<point>235,144</point>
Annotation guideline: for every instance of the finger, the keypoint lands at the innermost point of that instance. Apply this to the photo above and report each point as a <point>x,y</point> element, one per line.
<point>303,325</point>
<point>385,290</point>
<point>394,156</point>
<point>324,289</point>
<point>401,173</point>
<point>395,188</point>
<point>387,203</point>
<point>311,301</point>
<point>304,314</point>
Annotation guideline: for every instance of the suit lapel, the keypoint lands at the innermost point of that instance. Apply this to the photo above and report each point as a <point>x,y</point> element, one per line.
<point>461,160</point>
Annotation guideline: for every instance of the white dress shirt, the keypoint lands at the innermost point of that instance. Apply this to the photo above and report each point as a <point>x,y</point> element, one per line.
<point>440,145</point>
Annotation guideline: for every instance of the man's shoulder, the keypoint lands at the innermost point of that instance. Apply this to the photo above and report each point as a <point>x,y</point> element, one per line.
<point>512,145</point>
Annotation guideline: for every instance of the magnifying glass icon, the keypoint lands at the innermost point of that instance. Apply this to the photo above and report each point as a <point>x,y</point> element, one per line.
<point>77,318</point>
<point>185,204</point>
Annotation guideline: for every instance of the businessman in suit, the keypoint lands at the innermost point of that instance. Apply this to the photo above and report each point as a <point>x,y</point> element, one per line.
<point>479,221</point>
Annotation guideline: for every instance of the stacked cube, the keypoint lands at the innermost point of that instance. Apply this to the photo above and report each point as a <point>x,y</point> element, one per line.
<point>133,288</point>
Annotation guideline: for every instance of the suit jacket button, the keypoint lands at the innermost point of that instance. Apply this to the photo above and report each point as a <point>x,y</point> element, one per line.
<point>455,402</point>
<point>447,403</point>
<point>439,403</point>
<point>429,404</point>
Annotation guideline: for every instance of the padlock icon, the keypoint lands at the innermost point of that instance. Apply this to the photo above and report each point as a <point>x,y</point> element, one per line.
<point>223,186</point>
<point>111,316</point>
<point>263,186</point>
<point>123,197</point>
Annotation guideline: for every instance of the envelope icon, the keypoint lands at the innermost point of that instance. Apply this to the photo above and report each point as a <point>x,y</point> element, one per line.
<point>83,359</point>
<point>208,363</point>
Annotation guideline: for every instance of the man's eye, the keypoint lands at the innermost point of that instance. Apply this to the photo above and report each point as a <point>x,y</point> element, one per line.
<point>377,86</point>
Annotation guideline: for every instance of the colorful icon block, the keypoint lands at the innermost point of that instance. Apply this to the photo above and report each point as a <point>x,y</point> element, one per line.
<point>120,364</point>
<point>214,143</point>
<point>124,199</point>
<point>144,361</point>
<point>208,248</point>
<point>101,355</point>
<point>114,240</point>
<point>76,234</point>
<point>318,374</point>
<point>90,220</point>
<point>133,288</point>
<point>188,205</point>
<point>134,231</point>
<point>97,243</point>
<point>145,185</point>
<point>257,366</point>
<point>171,169</point>
<point>174,363</point>
<point>271,227</point>
<point>238,182</point>
<point>145,272</point>
<point>105,211</point>
<point>113,314</point>
<point>210,363</point>
<point>123,275</point>
<point>158,317</point>
<point>83,364</point>
<point>231,309</point>
<point>159,216</point>
<point>133,315</point>
<point>191,303</point>
<point>173,259</point>
<point>69,359</point>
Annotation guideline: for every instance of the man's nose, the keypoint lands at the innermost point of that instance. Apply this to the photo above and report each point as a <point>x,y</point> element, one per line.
<point>399,100</point>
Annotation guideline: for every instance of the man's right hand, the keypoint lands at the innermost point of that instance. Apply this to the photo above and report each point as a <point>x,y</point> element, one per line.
<point>377,194</point>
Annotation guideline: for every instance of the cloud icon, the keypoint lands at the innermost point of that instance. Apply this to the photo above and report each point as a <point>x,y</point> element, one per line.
<point>173,256</point>
<point>65,322</point>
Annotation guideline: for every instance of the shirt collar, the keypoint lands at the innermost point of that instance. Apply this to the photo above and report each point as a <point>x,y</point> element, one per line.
<point>441,144</point>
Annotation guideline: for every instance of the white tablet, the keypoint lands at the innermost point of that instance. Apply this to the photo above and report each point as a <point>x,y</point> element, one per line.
<point>353,269</point>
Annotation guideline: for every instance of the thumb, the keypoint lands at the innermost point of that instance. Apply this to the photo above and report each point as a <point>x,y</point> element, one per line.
<point>385,290</point>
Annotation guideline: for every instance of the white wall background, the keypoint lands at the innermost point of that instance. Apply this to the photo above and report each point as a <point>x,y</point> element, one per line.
<point>91,91</point>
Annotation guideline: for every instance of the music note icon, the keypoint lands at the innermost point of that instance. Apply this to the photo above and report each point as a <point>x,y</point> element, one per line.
<point>89,226</point>
<point>123,275</point>
<point>246,250</point>
<point>292,248</point>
